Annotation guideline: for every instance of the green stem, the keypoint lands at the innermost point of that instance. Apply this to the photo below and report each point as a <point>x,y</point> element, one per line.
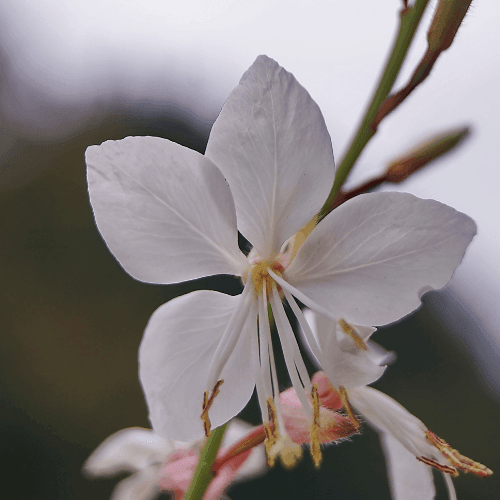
<point>409,20</point>
<point>203,473</point>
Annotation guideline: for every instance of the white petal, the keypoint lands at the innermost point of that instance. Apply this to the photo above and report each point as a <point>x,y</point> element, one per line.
<point>142,485</point>
<point>371,259</point>
<point>128,450</point>
<point>352,368</point>
<point>387,415</point>
<point>175,357</point>
<point>271,143</point>
<point>409,478</point>
<point>355,370</point>
<point>165,211</point>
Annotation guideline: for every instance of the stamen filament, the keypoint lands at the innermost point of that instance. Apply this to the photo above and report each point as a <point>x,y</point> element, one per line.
<point>281,323</point>
<point>303,298</point>
<point>276,390</point>
<point>449,487</point>
<point>264,334</point>
<point>259,382</point>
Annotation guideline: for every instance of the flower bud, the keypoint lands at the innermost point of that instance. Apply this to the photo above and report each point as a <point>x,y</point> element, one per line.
<point>431,149</point>
<point>447,19</point>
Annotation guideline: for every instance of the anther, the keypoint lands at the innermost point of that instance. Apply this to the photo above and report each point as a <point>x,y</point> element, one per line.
<point>458,460</point>
<point>351,331</point>
<point>207,403</point>
<point>315,426</point>
<point>348,407</point>
<point>443,468</point>
<point>271,432</point>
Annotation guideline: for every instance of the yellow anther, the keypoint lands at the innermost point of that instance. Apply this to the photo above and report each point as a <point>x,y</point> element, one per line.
<point>315,428</point>
<point>290,453</point>
<point>351,331</point>
<point>271,431</point>
<point>269,443</point>
<point>443,468</point>
<point>207,403</point>
<point>348,407</point>
<point>457,460</point>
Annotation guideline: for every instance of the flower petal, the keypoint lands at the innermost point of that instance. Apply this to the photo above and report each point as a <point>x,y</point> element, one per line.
<point>165,211</point>
<point>175,357</point>
<point>130,449</point>
<point>271,143</point>
<point>371,259</point>
<point>387,415</point>
<point>142,485</point>
<point>409,478</point>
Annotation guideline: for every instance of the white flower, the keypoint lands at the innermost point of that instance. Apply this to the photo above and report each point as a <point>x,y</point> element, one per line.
<point>411,449</point>
<point>169,214</point>
<point>145,455</point>
<point>138,451</point>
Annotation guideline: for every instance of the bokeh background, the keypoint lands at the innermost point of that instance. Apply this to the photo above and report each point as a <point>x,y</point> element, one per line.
<point>78,73</point>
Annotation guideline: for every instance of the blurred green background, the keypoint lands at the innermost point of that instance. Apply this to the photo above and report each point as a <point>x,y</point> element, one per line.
<point>72,321</point>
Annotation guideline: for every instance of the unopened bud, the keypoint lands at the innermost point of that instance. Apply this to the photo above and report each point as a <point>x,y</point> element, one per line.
<point>431,149</point>
<point>447,19</point>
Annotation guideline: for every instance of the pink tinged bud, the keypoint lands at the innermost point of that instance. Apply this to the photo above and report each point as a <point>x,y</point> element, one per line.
<point>333,425</point>
<point>179,470</point>
<point>431,149</point>
<point>180,467</point>
<point>328,395</point>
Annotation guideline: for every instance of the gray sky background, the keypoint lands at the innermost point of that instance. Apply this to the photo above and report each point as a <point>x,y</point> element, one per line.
<point>74,53</point>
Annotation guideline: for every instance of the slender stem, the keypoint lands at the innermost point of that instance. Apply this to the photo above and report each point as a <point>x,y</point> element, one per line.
<point>203,473</point>
<point>409,20</point>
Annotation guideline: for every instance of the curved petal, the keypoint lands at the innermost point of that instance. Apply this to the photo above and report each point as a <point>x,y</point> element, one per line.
<point>387,415</point>
<point>271,143</point>
<point>165,211</point>
<point>342,361</point>
<point>142,485</point>
<point>175,357</point>
<point>372,258</point>
<point>130,449</point>
<point>409,478</point>
<point>355,370</point>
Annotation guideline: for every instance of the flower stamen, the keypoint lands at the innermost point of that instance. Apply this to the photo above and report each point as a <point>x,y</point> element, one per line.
<point>351,331</point>
<point>315,427</point>
<point>443,468</point>
<point>348,407</point>
<point>207,403</point>
<point>458,460</point>
<point>258,273</point>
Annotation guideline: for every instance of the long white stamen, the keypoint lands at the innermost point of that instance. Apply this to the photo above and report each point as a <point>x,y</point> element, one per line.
<point>281,322</point>
<point>264,334</point>
<point>259,382</point>
<point>274,375</point>
<point>303,298</point>
<point>231,335</point>
<point>449,486</point>
<point>311,339</point>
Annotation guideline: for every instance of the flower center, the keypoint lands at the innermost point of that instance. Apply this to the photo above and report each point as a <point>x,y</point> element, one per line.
<point>257,272</point>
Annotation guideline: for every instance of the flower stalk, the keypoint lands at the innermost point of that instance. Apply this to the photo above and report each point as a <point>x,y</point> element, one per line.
<point>409,20</point>
<point>447,19</point>
<point>203,473</point>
